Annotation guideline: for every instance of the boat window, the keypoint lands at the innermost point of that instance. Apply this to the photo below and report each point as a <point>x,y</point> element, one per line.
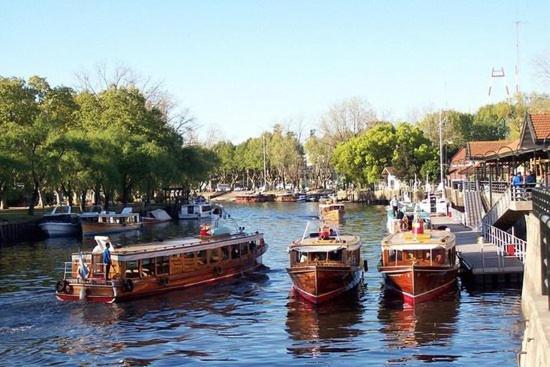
<point>201,257</point>
<point>188,255</point>
<point>335,255</point>
<point>225,252</point>
<point>163,265</point>
<point>206,208</point>
<point>214,256</point>
<point>252,245</point>
<point>318,256</point>
<point>132,269</point>
<point>147,267</point>
<point>244,249</point>
<point>190,209</point>
<point>235,252</point>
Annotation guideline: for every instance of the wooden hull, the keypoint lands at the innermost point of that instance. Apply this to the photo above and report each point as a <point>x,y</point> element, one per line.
<point>417,284</point>
<point>94,228</point>
<point>318,284</point>
<point>117,291</point>
<point>286,198</point>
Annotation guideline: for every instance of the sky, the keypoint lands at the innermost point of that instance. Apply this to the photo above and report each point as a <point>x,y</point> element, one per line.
<point>242,66</point>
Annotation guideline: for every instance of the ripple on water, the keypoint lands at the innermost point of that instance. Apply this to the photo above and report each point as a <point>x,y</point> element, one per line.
<point>253,319</point>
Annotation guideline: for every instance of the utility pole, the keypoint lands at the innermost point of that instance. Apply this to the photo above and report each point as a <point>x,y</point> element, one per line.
<point>517,57</point>
<point>265,169</point>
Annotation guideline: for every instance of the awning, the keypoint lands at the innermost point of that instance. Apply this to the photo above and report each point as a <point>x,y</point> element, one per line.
<point>317,248</point>
<point>414,246</point>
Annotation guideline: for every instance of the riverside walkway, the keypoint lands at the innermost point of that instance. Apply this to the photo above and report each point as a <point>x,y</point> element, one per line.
<point>480,262</point>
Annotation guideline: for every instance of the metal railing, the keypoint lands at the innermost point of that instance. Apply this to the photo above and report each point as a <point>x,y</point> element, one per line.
<point>495,186</point>
<point>521,192</point>
<point>506,243</point>
<point>541,209</point>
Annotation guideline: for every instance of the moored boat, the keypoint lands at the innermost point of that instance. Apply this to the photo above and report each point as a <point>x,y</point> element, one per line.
<point>286,197</point>
<point>157,267</point>
<point>332,212</point>
<point>60,222</point>
<point>156,216</point>
<point>199,208</point>
<point>419,266</point>
<point>111,222</point>
<point>325,264</point>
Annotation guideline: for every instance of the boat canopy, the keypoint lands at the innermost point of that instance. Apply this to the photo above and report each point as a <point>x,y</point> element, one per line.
<point>317,248</point>
<point>429,240</point>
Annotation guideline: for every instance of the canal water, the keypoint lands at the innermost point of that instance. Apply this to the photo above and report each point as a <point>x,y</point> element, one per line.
<point>251,320</point>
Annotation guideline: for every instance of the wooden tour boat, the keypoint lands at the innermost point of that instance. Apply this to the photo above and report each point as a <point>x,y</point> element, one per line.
<point>325,264</point>
<point>110,222</point>
<point>285,197</point>
<point>157,267</point>
<point>332,212</point>
<point>419,266</point>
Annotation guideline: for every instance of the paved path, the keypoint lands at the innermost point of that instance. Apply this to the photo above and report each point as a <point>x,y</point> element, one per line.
<point>478,258</point>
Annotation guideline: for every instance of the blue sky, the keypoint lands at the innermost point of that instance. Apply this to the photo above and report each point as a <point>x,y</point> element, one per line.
<point>241,66</point>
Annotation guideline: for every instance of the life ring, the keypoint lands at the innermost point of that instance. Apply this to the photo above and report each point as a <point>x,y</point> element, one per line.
<point>60,286</point>
<point>128,285</point>
<point>69,289</point>
<point>218,271</point>
<point>163,281</point>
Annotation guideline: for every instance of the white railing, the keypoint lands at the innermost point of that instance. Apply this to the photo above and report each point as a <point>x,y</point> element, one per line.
<point>506,243</point>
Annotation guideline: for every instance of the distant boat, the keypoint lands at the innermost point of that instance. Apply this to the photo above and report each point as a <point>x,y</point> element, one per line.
<point>325,264</point>
<point>200,208</point>
<point>332,212</point>
<point>60,222</point>
<point>419,266</point>
<point>286,197</point>
<point>301,198</point>
<point>156,216</point>
<point>111,222</point>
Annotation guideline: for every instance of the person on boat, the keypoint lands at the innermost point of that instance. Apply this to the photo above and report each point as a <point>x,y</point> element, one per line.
<point>107,259</point>
<point>395,205</point>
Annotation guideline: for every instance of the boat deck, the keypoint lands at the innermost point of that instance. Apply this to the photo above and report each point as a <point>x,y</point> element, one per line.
<point>480,261</point>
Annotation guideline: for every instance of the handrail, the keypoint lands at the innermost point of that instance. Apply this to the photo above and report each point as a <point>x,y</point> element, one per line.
<point>498,209</point>
<point>506,243</point>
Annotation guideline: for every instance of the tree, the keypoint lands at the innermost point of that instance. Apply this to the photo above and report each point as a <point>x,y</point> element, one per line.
<point>362,158</point>
<point>414,153</point>
<point>346,119</point>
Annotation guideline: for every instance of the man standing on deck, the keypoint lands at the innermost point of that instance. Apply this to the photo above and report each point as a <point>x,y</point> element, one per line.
<point>107,259</point>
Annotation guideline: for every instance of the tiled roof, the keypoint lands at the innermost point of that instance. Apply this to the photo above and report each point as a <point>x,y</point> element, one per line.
<point>479,149</point>
<point>541,125</point>
<point>459,156</point>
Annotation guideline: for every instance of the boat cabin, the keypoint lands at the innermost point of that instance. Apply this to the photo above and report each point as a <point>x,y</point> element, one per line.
<point>419,250</point>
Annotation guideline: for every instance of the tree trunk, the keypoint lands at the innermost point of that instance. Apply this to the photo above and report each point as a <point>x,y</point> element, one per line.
<point>97,194</point>
<point>83,201</point>
<point>34,199</point>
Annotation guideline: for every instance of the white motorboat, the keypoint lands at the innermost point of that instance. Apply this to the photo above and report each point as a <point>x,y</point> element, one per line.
<point>60,222</point>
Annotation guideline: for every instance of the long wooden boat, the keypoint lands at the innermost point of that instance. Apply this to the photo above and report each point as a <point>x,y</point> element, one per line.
<point>421,266</point>
<point>157,267</point>
<point>325,265</point>
<point>111,223</point>
<point>332,212</point>
<point>285,198</point>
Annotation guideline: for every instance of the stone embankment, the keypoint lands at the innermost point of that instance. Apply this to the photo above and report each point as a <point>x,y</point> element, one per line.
<point>535,349</point>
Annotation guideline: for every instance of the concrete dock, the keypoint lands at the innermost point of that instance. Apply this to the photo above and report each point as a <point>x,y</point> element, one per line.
<point>479,260</point>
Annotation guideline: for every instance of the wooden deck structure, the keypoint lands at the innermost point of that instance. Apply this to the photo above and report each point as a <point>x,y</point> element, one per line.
<point>480,261</point>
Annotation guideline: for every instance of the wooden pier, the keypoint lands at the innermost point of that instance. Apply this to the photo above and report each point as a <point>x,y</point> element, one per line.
<point>479,260</point>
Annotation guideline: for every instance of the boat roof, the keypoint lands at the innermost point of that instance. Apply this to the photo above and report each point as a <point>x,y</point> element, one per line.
<point>175,246</point>
<point>430,239</point>
<point>315,244</point>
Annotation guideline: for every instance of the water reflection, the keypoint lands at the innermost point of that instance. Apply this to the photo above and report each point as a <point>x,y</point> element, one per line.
<point>325,328</point>
<point>427,323</point>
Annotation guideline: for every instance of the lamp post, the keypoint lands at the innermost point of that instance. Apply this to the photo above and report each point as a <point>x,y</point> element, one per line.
<point>547,158</point>
<point>441,154</point>
<point>491,178</point>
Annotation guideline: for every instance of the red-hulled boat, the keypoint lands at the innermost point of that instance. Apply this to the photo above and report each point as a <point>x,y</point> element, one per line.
<point>419,266</point>
<point>157,267</point>
<point>325,265</point>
